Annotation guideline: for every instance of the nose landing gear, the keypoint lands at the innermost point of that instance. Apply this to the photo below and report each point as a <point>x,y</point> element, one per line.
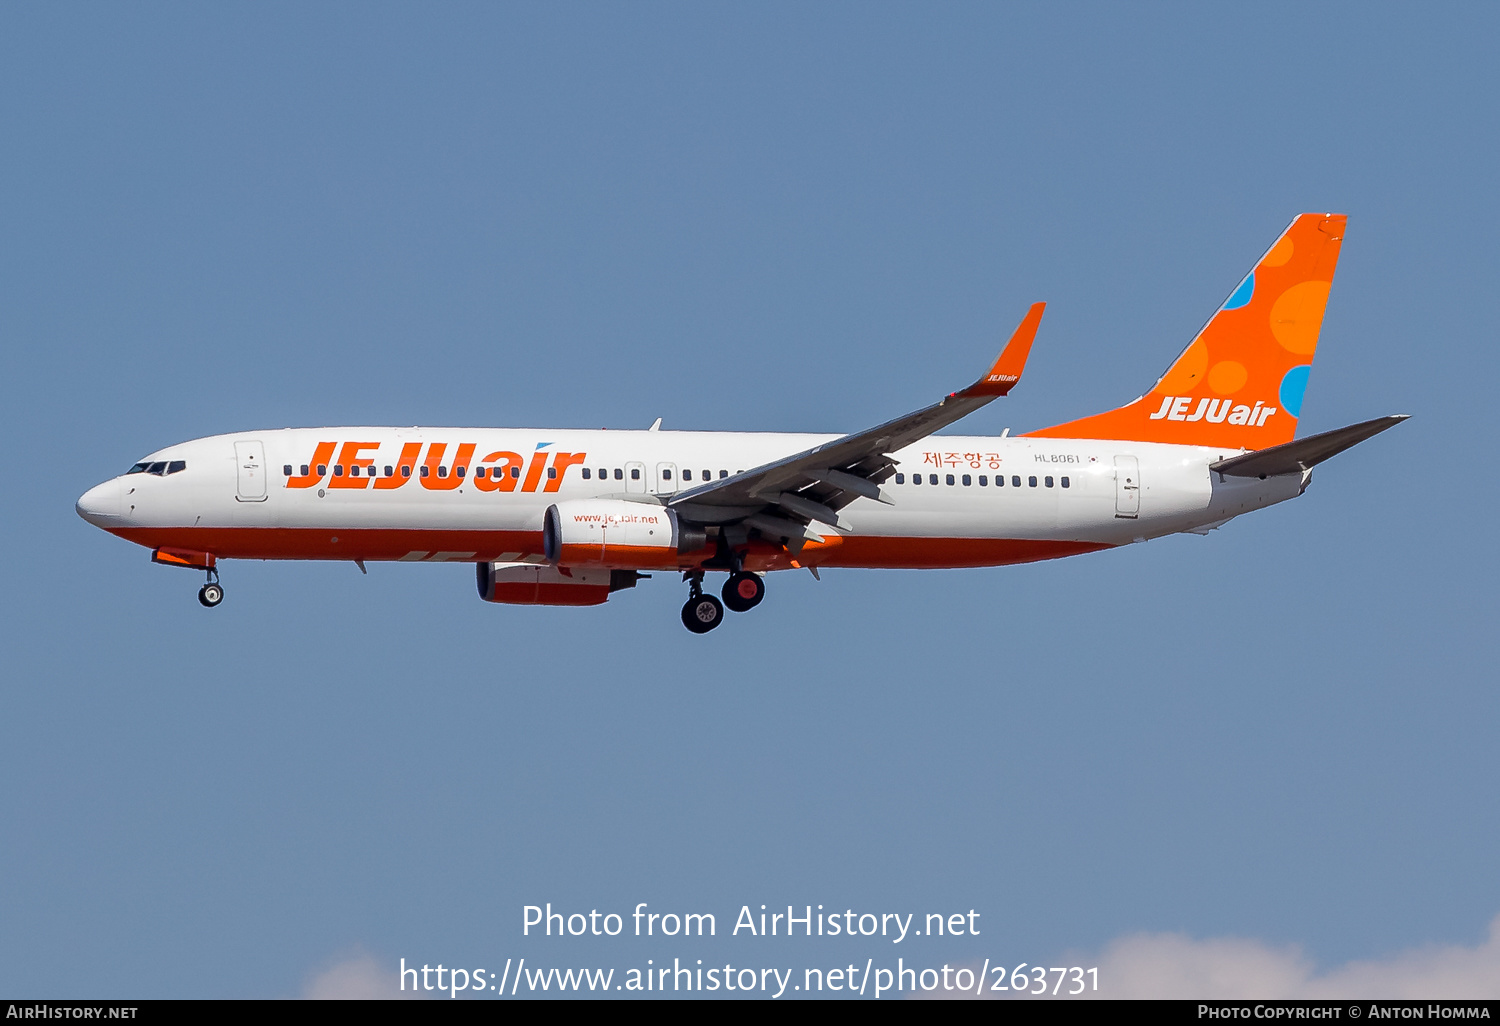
<point>212,593</point>
<point>702,613</point>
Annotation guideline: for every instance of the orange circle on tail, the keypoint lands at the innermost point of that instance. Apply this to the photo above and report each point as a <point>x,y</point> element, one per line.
<point>1280,253</point>
<point>1298,314</point>
<point>1227,376</point>
<point>1186,372</point>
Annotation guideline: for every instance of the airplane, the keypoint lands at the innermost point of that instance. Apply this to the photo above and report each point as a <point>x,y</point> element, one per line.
<point>568,518</point>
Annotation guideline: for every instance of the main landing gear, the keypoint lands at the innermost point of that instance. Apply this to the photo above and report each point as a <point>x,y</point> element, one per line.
<point>212,593</point>
<point>702,613</point>
<point>743,591</point>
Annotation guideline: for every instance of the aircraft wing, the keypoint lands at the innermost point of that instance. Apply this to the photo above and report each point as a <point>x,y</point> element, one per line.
<point>779,499</point>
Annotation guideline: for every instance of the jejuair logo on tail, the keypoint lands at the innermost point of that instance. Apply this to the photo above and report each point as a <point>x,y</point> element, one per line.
<point>1213,411</point>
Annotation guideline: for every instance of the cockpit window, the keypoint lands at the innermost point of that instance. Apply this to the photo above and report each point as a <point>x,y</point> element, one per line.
<point>157,468</point>
<point>176,466</point>
<point>139,468</point>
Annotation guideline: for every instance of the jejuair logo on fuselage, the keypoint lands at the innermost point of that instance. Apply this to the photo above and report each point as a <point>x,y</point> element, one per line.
<point>1213,411</point>
<point>499,471</point>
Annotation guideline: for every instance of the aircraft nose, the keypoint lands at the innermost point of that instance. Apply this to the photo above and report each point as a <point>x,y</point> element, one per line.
<point>100,505</point>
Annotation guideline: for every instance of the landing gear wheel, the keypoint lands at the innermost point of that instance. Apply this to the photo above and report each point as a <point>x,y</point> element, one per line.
<point>743,592</point>
<point>702,613</point>
<point>211,595</point>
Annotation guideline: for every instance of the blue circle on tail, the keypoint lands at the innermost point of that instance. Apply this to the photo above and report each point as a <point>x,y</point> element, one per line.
<point>1241,296</point>
<point>1293,384</point>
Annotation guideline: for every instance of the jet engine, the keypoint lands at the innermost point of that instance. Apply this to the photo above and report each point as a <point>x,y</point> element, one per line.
<point>616,533</point>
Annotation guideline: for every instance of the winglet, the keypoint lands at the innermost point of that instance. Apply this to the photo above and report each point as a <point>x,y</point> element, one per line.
<point>1003,376</point>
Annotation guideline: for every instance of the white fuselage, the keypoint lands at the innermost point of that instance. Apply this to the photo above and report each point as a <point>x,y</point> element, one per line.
<point>261,495</point>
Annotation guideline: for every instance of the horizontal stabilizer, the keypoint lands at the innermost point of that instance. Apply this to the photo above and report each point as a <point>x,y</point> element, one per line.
<point>1304,453</point>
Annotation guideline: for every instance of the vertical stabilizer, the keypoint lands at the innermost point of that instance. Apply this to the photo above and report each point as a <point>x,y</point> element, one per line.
<point>1239,384</point>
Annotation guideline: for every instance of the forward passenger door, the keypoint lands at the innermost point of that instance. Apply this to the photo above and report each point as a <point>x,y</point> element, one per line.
<point>250,471</point>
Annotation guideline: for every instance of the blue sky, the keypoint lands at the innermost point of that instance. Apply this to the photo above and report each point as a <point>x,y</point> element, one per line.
<point>736,217</point>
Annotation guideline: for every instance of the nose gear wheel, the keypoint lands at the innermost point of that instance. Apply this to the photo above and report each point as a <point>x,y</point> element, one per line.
<point>212,593</point>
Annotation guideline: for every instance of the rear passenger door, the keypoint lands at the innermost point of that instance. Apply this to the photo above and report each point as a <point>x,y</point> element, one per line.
<point>1127,487</point>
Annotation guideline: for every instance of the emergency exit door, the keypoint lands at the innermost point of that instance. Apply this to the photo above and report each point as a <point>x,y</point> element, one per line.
<point>666,478</point>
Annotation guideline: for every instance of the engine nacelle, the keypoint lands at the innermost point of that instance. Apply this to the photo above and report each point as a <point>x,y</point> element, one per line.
<point>531,585</point>
<point>616,533</point>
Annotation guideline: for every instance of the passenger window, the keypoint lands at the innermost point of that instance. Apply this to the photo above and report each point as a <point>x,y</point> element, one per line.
<point>405,470</point>
<point>666,475</point>
<point>322,469</point>
<point>287,470</point>
<point>1065,482</point>
<point>515,472</point>
<point>442,471</point>
<point>950,479</point>
<point>635,473</point>
<point>338,470</point>
<point>587,473</point>
<point>901,479</point>
<point>983,480</point>
<point>157,468</point>
<point>1048,482</point>
<point>425,471</point>
<point>460,470</point>
<point>916,479</point>
<point>551,473</point>
<point>620,474</point>
<point>967,481</point>
<point>932,479</point>
<point>479,473</point>
<point>708,475</point>
<point>723,474</point>
<point>1015,480</point>
<point>389,471</point>
<point>1031,481</point>
<point>304,470</point>
<point>139,468</point>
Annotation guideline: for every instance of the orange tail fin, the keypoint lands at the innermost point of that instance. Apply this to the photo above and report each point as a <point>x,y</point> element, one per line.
<point>1239,384</point>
